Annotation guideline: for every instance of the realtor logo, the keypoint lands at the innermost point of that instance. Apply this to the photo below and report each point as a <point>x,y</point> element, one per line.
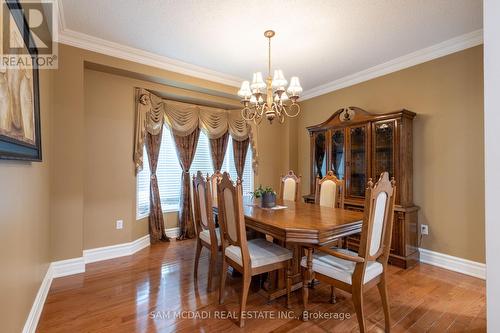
<point>27,31</point>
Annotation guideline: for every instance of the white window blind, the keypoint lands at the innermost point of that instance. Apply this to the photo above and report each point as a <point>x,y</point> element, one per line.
<point>142,189</point>
<point>169,172</point>
<point>229,167</point>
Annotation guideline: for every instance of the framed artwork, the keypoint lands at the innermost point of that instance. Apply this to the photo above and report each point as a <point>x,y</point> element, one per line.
<point>20,136</point>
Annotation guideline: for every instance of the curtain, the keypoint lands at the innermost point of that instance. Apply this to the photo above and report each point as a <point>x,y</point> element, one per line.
<point>156,223</point>
<point>183,118</point>
<point>186,120</point>
<point>240,149</point>
<point>186,147</point>
<point>218,150</point>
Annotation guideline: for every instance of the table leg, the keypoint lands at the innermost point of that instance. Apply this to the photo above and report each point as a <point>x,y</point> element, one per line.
<point>308,276</point>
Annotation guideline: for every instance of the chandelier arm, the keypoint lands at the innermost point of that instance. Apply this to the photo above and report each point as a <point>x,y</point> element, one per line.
<point>289,108</point>
<point>248,113</point>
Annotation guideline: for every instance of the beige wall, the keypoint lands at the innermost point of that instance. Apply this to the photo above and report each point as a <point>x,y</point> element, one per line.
<point>108,176</point>
<point>67,151</point>
<point>24,224</point>
<point>92,180</point>
<point>447,95</point>
<point>109,179</point>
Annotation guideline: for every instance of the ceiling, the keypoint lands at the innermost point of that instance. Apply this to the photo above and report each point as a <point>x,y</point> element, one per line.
<point>318,40</point>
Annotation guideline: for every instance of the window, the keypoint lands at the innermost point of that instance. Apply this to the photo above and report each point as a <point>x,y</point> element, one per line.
<point>169,172</point>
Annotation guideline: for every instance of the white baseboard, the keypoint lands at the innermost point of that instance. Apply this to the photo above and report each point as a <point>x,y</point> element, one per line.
<point>173,232</point>
<point>37,307</point>
<point>115,251</point>
<point>75,266</point>
<point>452,263</point>
<point>67,267</point>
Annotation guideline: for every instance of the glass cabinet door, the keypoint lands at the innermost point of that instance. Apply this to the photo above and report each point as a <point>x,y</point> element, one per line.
<point>338,153</point>
<point>319,163</point>
<point>383,147</point>
<point>358,161</point>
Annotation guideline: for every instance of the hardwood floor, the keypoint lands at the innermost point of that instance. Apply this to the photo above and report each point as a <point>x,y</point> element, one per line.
<point>143,292</point>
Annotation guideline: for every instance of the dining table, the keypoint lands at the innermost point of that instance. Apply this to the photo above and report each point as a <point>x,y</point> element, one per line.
<point>300,227</point>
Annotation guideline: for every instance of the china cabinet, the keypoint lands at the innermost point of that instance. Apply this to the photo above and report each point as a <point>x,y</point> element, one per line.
<point>357,145</point>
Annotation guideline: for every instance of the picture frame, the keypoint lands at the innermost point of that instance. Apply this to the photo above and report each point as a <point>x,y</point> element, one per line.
<point>20,124</point>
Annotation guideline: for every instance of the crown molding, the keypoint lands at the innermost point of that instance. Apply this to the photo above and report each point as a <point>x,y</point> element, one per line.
<point>429,53</point>
<point>87,42</point>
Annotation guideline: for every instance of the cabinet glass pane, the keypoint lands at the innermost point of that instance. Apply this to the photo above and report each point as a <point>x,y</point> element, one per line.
<point>358,161</point>
<point>384,148</point>
<point>338,153</point>
<point>320,155</point>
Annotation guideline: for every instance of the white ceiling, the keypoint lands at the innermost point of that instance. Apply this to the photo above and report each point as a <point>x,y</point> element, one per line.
<point>318,40</point>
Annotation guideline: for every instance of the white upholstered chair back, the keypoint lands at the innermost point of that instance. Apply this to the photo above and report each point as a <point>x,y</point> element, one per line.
<point>290,186</point>
<point>216,177</point>
<point>329,191</point>
<point>379,213</point>
<point>202,203</point>
<point>230,207</point>
<point>328,194</point>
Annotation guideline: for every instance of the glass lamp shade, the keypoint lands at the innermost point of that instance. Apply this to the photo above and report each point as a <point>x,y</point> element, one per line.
<point>253,99</point>
<point>245,91</point>
<point>257,82</point>
<point>294,89</point>
<point>279,81</point>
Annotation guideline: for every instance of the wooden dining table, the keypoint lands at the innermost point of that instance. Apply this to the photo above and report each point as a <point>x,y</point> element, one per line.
<point>299,227</point>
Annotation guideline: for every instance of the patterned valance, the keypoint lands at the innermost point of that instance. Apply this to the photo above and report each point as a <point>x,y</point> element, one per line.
<point>183,118</point>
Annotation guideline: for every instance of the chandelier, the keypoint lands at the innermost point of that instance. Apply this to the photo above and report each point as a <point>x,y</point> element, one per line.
<point>270,99</point>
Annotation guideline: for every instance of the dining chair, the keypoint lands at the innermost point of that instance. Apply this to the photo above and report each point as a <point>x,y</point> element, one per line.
<point>208,236</point>
<point>250,257</point>
<point>357,272</point>
<point>329,191</point>
<point>290,187</point>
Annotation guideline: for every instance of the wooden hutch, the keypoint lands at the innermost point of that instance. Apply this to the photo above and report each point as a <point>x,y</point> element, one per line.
<point>357,145</point>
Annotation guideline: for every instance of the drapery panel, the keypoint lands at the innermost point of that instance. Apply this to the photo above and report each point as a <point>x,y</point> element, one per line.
<point>218,149</point>
<point>186,148</point>
<point>183,118</point>
<point>240,149</point>
<point>156,223</point>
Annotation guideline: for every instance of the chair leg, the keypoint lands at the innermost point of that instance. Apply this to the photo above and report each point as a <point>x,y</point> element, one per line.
<point>382,288</point>
<point>223,276</point>
<point>288,283</point>
<point>357,299</point>
<point>197,258</point>
<point>333,297</point>
<point>244,295</point>
<point>211,268</point>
